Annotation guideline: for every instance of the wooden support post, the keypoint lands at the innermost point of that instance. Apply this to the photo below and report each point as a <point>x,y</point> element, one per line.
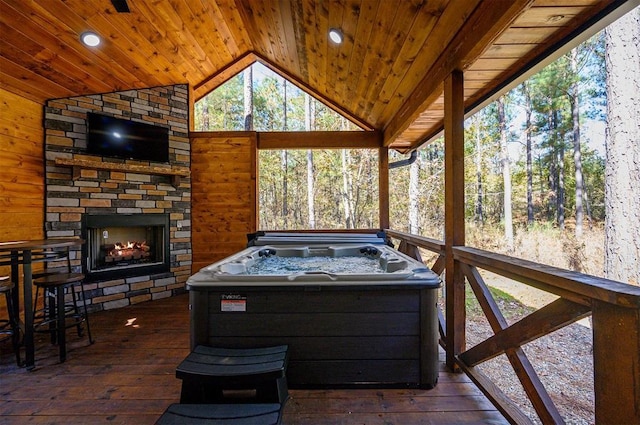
<point>383,187</point>
<point>454,214</point>
<point>192,108</point>
<point>616,363</point>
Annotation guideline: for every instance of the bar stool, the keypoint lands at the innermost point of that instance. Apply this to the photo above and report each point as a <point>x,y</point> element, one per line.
<point>57,315</point>
<point>10,326</point>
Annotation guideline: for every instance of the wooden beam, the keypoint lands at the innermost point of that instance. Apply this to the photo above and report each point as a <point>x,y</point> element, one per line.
<point>533,387</point>
<point>497,397</point>
<point>383,187</point>
<point>192,108</point>
<point>577,287</point>
<point>204,87</point>
<point>616,363</point>
<point>486,23</point>
<point>430,244</point>
<point>454,214</point>
<point>549,318</point>
<point>319,140</point>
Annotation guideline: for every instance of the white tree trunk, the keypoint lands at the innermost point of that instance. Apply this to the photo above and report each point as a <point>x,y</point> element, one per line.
<point>577,154</point>
<point>248,99</point>
<point>309,124</point>
<point>346,189</point>
<point>479,214</point>
<point>414,193</point>
<point>622,174</point>
<point>506,175</point>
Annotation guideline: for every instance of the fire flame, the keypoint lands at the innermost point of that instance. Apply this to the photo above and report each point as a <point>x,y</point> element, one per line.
<point>119,248</point>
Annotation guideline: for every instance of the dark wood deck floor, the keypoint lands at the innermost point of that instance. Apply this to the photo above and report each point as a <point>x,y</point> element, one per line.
<point>128,377</point>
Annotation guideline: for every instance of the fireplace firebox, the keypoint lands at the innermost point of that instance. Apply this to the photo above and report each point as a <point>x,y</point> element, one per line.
<point>125,245</point>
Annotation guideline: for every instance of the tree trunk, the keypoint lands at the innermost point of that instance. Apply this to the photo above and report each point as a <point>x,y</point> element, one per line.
<point>478,159</point>
<point>622,173</point>
<point>285,124</point>
<point>309,125</point>
<point>506,174</point>
<point>248,99</point>
<point>285,188</point>
<point>528,130</point>
<point>561,190</point>
<point>414,190</point>
<point>346,192</point>
<point>574,100</point>
<point>553,169</point>
<point>587,204</point>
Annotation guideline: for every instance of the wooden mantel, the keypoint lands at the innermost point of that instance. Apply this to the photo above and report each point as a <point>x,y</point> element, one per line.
<point>174,172</point>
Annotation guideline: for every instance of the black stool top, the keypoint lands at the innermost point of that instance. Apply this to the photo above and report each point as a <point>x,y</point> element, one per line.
<point>58,279</point>
<point>250,363</point>
<point>221,414</point>
<point>5,284</point>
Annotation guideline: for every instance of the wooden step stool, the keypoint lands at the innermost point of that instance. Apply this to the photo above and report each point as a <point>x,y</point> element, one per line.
<point>210,374</point>
<point>218,414</point>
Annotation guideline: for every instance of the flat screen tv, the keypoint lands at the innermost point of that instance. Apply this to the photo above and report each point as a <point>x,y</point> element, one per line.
<point>119,138</point>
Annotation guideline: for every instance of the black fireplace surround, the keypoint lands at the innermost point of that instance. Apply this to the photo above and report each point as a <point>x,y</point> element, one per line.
<point>124,245</point>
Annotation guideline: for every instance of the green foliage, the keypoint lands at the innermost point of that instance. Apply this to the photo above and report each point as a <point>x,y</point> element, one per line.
<point>222,109</point>
<point>283,205</point>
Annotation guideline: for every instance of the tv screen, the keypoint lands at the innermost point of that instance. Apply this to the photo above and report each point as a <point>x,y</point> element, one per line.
<point>119,138</point>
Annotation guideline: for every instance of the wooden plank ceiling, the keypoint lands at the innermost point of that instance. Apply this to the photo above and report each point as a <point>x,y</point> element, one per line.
<point>387,75</point>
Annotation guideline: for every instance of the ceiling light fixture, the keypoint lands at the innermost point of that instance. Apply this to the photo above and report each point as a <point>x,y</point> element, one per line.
<point>90,39</point>
<point>335,35</point>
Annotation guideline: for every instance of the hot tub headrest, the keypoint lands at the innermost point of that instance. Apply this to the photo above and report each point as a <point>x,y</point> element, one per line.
<point>262,238</point>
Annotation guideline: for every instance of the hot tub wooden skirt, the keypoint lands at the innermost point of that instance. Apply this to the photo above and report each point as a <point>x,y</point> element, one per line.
<point>338,336</point>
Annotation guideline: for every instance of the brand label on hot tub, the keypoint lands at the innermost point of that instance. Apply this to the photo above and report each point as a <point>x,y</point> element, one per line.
<point>233,302</point>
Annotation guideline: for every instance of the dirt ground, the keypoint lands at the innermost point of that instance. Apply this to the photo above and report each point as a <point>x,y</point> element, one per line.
<point>563,360</point>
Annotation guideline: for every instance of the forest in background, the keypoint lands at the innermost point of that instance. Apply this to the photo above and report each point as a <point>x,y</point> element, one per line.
<point>535,177</point>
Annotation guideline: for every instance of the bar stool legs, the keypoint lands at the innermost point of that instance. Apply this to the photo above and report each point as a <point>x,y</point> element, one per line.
<point>10,326</point>
<point>57,312</point>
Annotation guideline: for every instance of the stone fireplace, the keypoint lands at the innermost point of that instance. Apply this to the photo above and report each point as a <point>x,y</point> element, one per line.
<point>135,216</point>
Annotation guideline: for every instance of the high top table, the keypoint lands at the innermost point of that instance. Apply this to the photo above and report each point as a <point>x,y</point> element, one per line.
<point>16,253</point>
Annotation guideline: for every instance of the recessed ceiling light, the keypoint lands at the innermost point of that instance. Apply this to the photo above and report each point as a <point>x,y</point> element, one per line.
<point>335,35</point>
<point>90,39</point>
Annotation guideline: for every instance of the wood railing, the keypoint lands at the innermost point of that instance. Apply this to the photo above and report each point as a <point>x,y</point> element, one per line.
<point>615,310</point>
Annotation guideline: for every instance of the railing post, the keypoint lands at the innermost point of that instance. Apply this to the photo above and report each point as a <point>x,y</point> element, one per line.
<point>454,214</point>
<point>616,363</point>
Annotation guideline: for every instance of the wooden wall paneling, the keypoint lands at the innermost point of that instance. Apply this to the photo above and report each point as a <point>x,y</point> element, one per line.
<point>223,194</point>
<point>22,162</point>
<point>22,178</point>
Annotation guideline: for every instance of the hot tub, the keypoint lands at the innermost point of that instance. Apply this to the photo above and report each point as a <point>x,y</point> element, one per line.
<point>354,311</point>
